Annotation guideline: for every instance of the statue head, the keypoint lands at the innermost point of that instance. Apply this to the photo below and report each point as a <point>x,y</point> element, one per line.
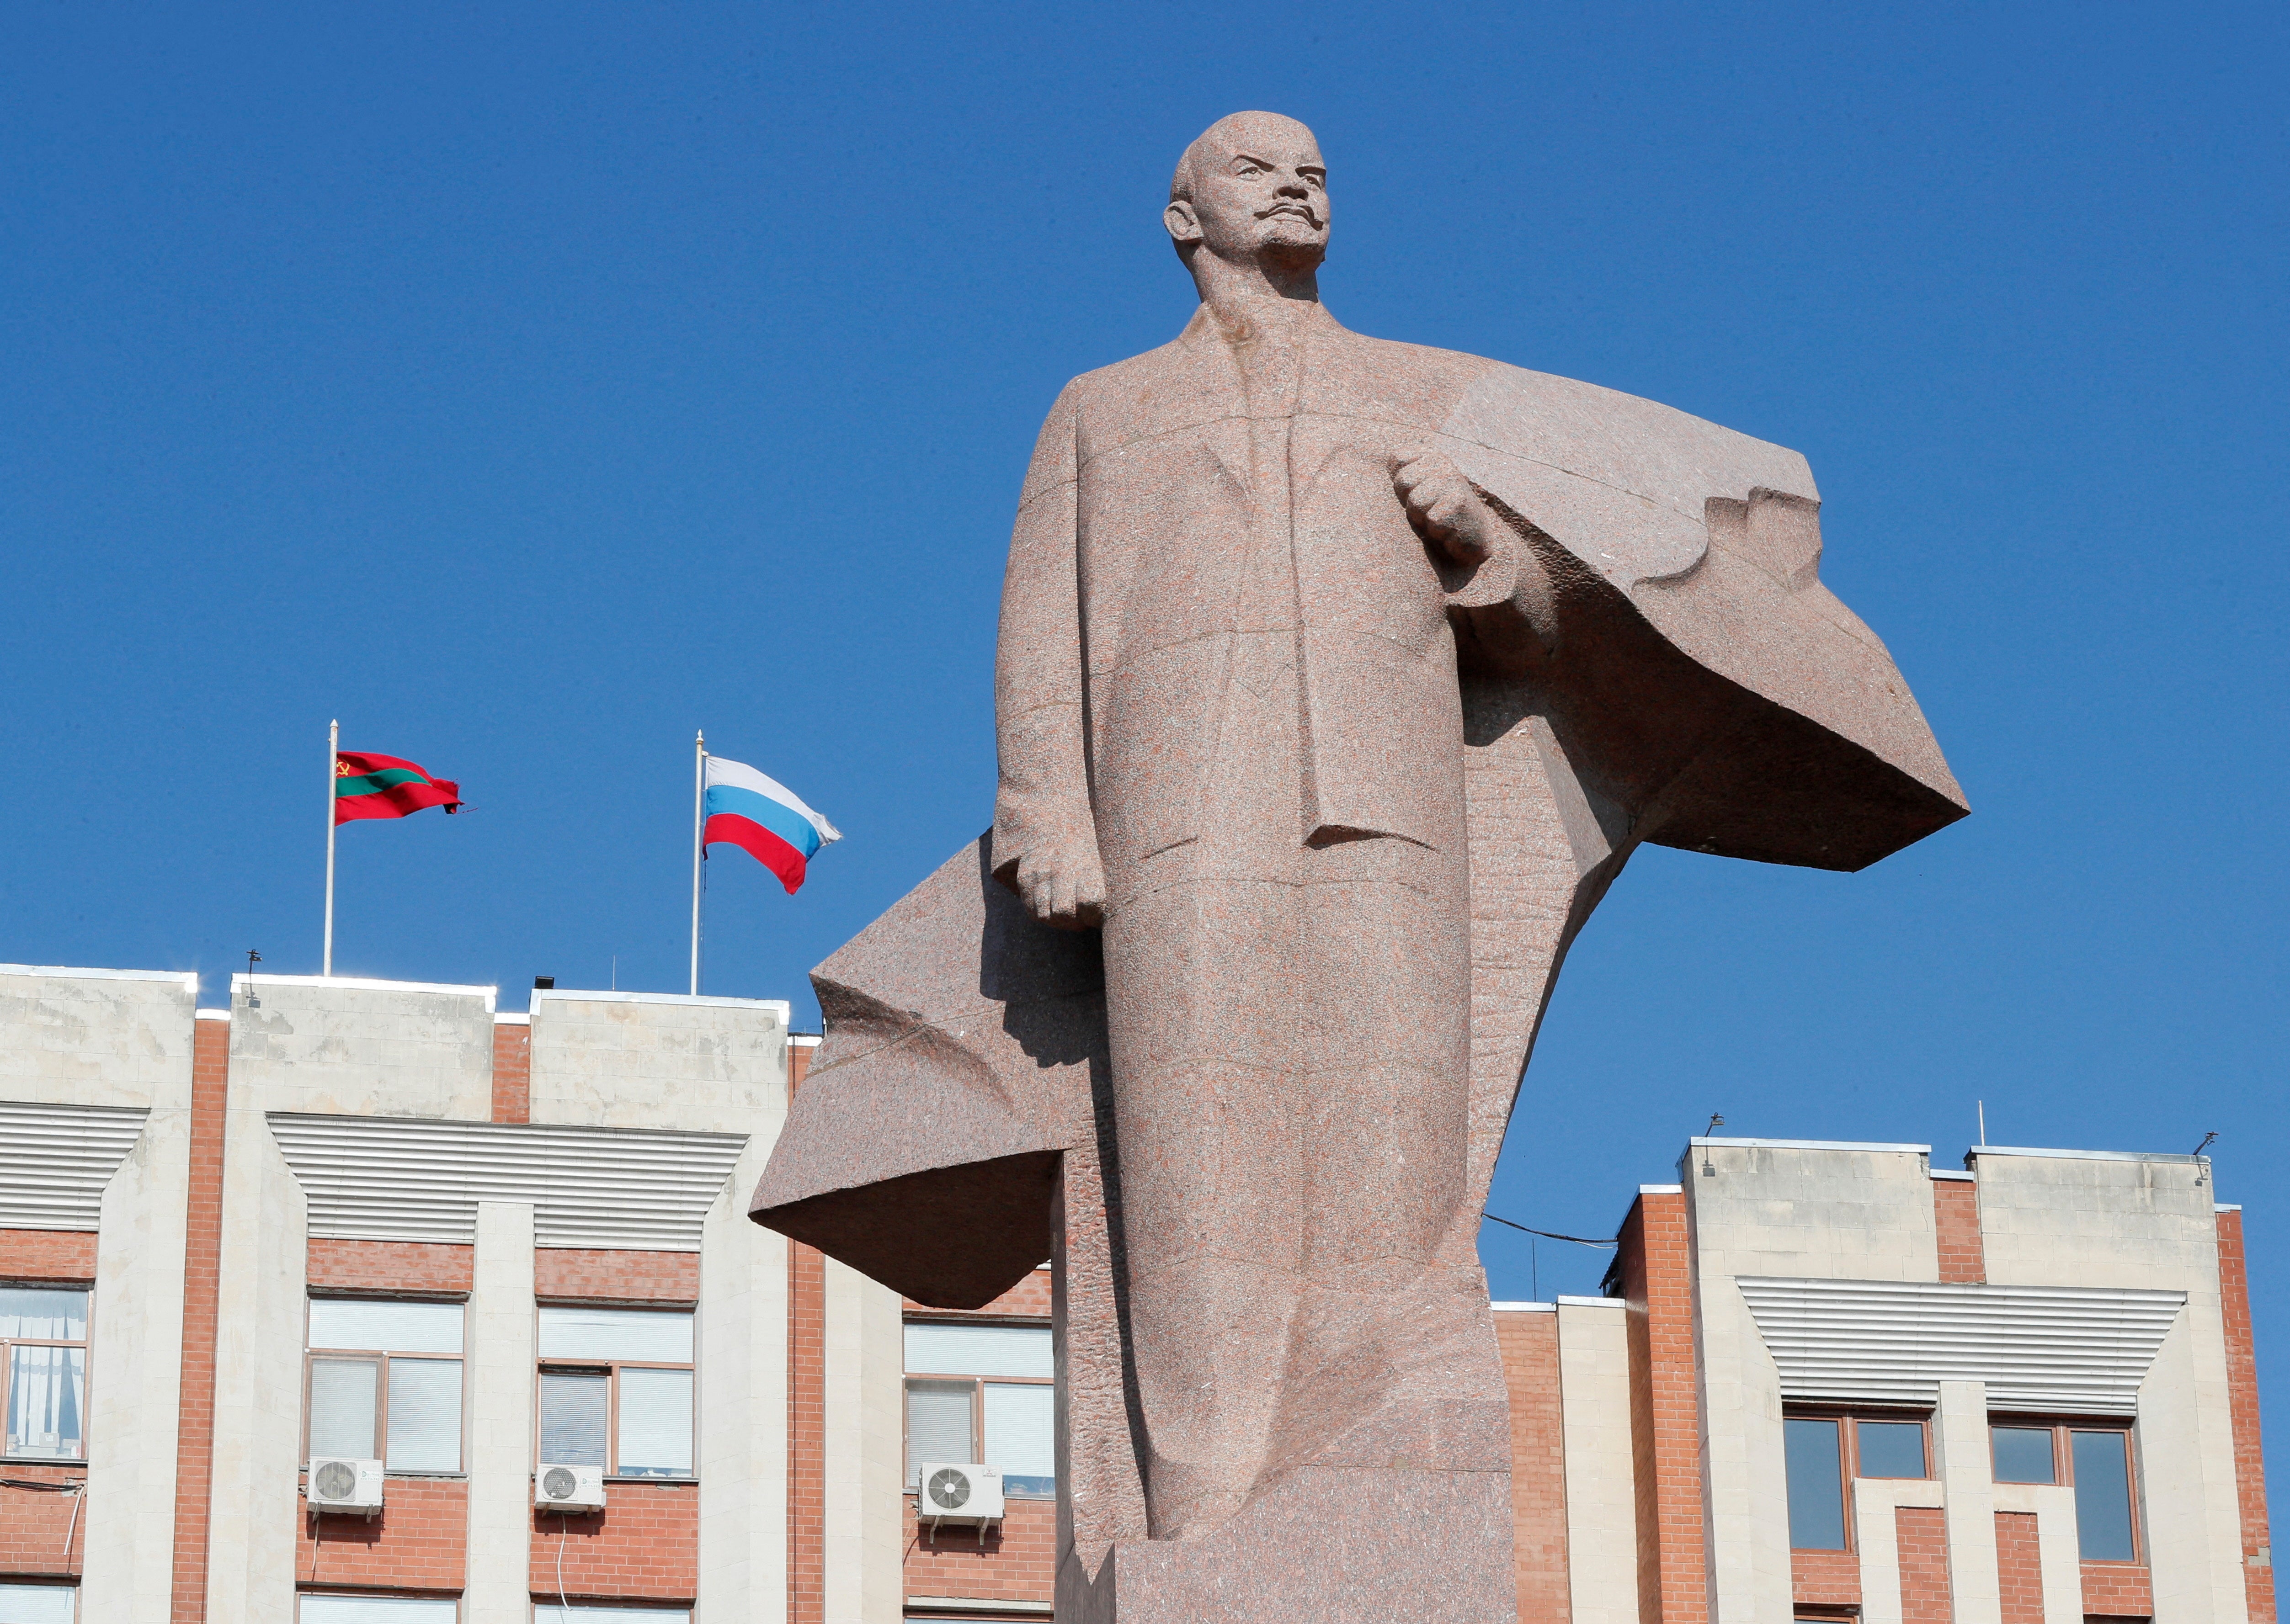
<point>1252,190</point>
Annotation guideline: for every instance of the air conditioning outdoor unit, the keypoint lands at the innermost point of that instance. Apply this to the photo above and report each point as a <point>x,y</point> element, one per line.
<point>337,1484</point>
<point>569,1488</point>
<point>959,1494</point>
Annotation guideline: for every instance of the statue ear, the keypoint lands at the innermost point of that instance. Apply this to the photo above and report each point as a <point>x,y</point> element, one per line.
<point>1183,224</point>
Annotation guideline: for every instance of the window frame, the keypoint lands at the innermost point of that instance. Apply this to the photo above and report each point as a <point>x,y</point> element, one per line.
<point>977,1384</point>
<point>546,1365</point>
<point>8,1346</point>
<point>1848,1418</point>
<point>379,1358</point>
<point>2060,1427</point>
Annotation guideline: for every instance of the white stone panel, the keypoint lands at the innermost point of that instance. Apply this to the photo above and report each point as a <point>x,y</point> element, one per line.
<point>1967,1472</point>
<point>743,1404</point>
<point>501,1381</point>
<point>864,1503</point>
<point>651,1059</point>
<point>1594,1388</point>
<point>363,1048</point>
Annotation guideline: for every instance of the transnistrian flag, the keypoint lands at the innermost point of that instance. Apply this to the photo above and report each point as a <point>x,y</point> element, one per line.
<point>763,818</point>
<point>371,786</point>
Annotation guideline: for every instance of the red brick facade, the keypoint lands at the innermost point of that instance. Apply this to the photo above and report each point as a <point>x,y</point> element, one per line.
<point>1922,1533</point>
<point>1956,1224</point>
<point>1825,1578</point>
<point>202,1264</point>
<point>1529,1345</point>
<point>2242,1406</point>
<point>646,1543</point>
<point>389,1265</point>
<point>416,1543</point>
<point>2019,1568</point>
<point>512,1071</point>
<point>806,1435</point>
<point>47,1254</point>
<point>565,1274</point>
<point>42,1530</point>
<point>1016,1562</point>
<point>1657,1281</point>
<point>2118,1590</point>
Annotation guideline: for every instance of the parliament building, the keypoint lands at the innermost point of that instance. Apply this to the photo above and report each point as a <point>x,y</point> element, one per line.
<point>344,1301</point>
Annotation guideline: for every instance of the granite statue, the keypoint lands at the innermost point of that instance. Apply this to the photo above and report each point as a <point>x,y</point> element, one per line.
<point>1337,680</point>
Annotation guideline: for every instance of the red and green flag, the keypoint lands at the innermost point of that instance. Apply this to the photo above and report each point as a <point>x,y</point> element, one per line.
<point>371,786</point>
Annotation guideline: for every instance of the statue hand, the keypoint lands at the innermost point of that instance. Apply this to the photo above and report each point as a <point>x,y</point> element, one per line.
<point>1063,888</point>
<point>1442,506</point>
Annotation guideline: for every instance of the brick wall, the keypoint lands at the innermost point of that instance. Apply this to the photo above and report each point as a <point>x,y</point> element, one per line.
<point>512,1072</point>
<point>47,1254</point>
<point>389,1265</point>
<point>563,1274</point>
<point>2242,1407</point>
<point>806,1434</point>
<point>1825,1578</point>
<point>417,1543</point>
<point>1922,1533</point>
<point>203,1256</point>
<point>1529,1346</point>
<point>1017,1562</point>
<point>1657,1283</point>
<point>35,1523</point>
<point>645,1542</point>
<point>2019,1568</point>
<point>1956,1221</point>
<point>2118,1590</point>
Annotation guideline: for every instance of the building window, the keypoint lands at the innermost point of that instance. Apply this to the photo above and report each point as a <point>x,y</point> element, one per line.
<point>376,1610</point>
<point>1824,1452</point>
<point>38,1604</point>
<point>983,1394</point>
<point>44,1350</point>
<point>385,1383</point>
<point>616,1390</point>
<point>2092,1458</point>
<point>587,1612</point>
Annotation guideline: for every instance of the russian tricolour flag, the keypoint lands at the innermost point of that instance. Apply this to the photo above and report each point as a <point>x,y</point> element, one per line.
<point>763,818</point>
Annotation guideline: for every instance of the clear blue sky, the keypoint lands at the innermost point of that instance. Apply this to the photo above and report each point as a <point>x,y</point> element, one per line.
<point>529,386</point>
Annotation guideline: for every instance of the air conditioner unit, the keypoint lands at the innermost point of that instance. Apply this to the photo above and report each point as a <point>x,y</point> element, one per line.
<point>945,1493</point>
<point>569,1488</point>
<point>337,1484</point>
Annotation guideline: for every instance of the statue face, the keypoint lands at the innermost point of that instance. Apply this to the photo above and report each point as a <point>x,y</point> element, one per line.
<point>1259,191</point>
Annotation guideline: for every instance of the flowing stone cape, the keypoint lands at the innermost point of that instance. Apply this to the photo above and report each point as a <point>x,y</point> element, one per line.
<point>1708,694</point>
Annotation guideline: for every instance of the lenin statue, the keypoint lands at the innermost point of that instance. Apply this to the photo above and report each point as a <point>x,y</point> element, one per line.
<point>1338,679</point>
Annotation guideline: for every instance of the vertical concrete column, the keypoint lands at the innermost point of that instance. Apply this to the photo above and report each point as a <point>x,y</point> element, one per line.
<point>1967,1473</point>
<point>502,1382</point>
<point>137,1346</point>
<point>1876,1503</point>
<point>2186,1491</point>
<point>1602,1530</point>
<point>866,1369</point>
<point>264,1284</point>
<point>743,1408</point>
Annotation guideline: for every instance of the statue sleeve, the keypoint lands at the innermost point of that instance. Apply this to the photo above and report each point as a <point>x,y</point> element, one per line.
<point>1043,799</point>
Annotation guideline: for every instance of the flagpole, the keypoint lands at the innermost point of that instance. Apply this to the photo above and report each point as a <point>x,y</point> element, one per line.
<point>699,776</point>
<point>333,766</point>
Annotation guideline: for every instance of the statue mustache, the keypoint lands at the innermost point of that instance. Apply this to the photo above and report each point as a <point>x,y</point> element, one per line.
<point>1303,210</point>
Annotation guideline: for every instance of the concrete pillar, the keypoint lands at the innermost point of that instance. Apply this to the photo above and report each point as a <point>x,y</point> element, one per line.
<point>743,1408</point>
<point>1967,1473</point>
<point>1602,1533</point>
<point>501,1385</point>
<point>2059,1553</point>
<point>261,1318</point>
<point>1876,1502</point>
<point>866,1369</point>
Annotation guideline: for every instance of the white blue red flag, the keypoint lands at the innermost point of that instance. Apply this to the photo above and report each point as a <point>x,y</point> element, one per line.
<point>763,818</point>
